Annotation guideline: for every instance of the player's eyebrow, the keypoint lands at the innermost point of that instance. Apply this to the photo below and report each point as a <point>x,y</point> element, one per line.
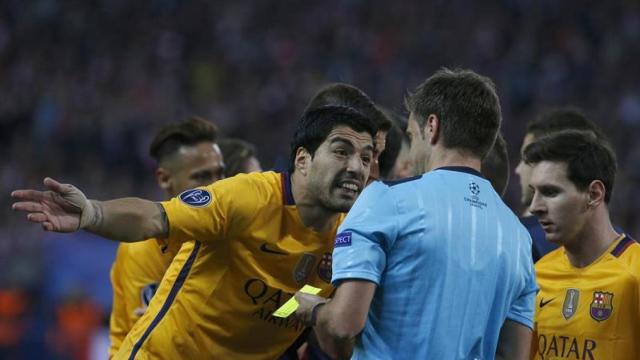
<point>336,139</point>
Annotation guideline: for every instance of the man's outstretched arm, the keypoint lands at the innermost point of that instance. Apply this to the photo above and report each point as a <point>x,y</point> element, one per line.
<point>64,208</point>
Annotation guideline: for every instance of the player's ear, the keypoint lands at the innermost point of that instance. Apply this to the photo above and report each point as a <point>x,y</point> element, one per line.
<point>302,160</point>
<point>596,192</point>
<point>163,177</point>
<point>432,129</point>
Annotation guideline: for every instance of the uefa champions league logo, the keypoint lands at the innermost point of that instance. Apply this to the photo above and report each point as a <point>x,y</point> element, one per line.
<point>475,199</point>
<point>474,188</point>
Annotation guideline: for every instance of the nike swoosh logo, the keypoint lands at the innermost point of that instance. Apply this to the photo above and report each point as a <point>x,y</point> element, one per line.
<point>264,248</point>
<point>544,303</point>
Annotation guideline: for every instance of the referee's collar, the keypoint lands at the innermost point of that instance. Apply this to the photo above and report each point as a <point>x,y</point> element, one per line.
<point>464,169</point>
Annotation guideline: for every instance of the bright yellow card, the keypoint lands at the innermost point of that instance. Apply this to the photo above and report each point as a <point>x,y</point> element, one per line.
<point>290,306</point>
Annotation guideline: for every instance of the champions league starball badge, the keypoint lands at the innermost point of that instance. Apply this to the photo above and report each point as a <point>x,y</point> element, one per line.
<point>195,197</point>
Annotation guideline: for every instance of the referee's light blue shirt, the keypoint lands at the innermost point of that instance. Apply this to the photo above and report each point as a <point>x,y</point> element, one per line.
<point>451,262</point>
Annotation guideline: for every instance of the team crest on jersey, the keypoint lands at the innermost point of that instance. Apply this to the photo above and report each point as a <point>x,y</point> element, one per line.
<point>195,197</point>
<point>602,305</point>
<point>303,268</point>
<point>324,267</point>
<point>570,304</point>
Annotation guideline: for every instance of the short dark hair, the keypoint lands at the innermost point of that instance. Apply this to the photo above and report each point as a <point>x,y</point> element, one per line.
<point>340,94</point>
<point>495,166</point>
<point>564,118</point>
<point>315,125</point>
<point>396,136</point>
<point>189,132</point>
<point>235,153</point>
<point>587,157</point>
<point>466,105</point>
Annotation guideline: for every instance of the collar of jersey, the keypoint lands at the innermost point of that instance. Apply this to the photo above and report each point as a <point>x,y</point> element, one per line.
<point>606,253</point>
<point>287,194</point>
<point>463,169</point>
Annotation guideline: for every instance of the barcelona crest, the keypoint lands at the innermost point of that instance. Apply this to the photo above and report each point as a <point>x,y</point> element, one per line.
<point>602,305</point>
<point>324,267</point>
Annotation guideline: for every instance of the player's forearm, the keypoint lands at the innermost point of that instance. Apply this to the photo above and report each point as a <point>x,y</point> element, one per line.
<point>334,337</point>
<point>514,342</point>
<point>127,219</point>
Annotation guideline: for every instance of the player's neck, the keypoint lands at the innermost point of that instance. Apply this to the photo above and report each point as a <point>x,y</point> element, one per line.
<point>311,213</point>
<point>594,239</point>
<point>441,157</point>
<point>316,218</point>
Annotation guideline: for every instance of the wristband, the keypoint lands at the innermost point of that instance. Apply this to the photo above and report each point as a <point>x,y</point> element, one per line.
<point>88,215</point>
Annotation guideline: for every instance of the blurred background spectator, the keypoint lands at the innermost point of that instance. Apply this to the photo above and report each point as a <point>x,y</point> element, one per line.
<point>84,83</point>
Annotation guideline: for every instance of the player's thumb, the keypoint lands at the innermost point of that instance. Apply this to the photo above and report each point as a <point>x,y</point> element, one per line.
<point>53,185</point>
<point>71,194</point>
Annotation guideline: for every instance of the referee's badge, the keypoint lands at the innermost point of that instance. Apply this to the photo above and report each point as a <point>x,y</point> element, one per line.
<point>324,267</point>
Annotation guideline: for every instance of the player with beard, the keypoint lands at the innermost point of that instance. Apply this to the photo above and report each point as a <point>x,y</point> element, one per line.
<point>435,266</point>
<point>340,94</point>
<point>259,238</point>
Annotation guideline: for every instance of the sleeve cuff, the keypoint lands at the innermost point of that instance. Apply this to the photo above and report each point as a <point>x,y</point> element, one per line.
<point>363,275</point>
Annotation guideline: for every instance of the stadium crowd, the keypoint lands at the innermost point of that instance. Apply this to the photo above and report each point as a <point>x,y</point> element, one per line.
<point>84,84</point>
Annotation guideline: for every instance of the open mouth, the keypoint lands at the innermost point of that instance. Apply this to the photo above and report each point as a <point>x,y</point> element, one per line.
<point>351,188</point>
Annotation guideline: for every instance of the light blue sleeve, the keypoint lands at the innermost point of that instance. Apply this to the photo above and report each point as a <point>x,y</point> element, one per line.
<point>523,308</point>
<point>365,235</point>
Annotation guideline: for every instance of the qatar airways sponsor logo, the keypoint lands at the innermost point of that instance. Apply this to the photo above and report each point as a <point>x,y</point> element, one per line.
<point>266,301</point>
<point>565,347</point>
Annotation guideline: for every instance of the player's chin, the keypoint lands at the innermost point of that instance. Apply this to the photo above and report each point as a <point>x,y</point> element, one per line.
<point>554,237</point>
<point>341,204</point>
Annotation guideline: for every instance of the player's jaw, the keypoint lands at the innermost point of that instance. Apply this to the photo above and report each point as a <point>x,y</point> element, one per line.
<point>551,230</point>
<point>344,191</point>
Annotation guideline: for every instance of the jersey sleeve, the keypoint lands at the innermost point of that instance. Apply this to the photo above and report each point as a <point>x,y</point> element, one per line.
<point>522,309</point>
<point>212,213</point>
<point>365,235</point>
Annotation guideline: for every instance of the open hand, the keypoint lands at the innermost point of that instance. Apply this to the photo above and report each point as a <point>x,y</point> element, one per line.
<point>58,209</point>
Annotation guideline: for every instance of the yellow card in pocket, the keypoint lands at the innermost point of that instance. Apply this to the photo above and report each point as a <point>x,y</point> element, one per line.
<point>290,306</point>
